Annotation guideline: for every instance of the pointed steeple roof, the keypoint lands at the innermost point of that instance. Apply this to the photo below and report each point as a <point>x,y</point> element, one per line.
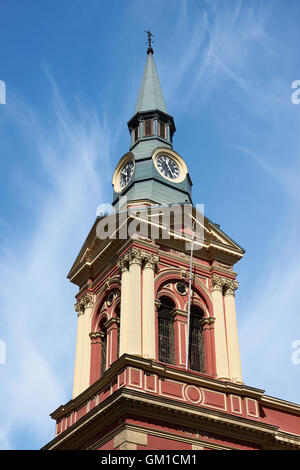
<point>151,131</point>
<point>150,95</point>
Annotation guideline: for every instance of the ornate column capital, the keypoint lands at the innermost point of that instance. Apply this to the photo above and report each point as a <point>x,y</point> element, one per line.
<point>150,260</point>
<point>217,282</point>
<point>95,335</point>
<point>230,287</point>
<point>208,320</point>
<point>122,265</point>
<point>84,302</point>
<point>136,256</point>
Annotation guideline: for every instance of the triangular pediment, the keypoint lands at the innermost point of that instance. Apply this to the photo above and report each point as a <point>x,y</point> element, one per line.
<point>97,253</point>
<point>217,237</point>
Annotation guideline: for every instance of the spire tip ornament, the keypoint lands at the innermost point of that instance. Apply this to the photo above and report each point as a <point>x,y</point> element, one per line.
<point>149,41</point>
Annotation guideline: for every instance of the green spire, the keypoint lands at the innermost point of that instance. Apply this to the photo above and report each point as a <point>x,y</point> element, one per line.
<point>151,95</point>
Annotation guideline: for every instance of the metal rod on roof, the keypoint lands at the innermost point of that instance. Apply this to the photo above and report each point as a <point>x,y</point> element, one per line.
<point>189,301</point>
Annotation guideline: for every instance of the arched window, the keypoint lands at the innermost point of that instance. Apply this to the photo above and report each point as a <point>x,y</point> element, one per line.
<point>148,127</point>
<point>196,344</point>
<point>103,334</point>
<point>165,331</point>
<point>162,129</point>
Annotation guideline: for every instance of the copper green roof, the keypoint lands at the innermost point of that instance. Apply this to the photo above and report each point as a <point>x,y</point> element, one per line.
<point>150,95</point>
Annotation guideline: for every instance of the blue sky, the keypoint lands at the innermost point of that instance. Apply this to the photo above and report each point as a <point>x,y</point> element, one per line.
<point>72,71</point>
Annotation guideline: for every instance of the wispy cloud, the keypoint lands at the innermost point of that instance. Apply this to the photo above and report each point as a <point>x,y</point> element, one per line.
<point>285,174</point>
<point>39,323</point>
<point>214,44</point>
<point>213,47</point>
<point>270,317</point>
<point>231,47</point>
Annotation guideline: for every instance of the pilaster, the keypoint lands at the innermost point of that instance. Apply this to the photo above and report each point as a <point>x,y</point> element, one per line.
<point>112,339</point>
<point>128,439</point>
<point>232,332</point>
<point>220,331</point>
<point>168,136</point>
<point>96,351</point>
<point>124,268</point>
<point>155,125</point>
<point>228,360</point>
<point>137,325</point>
<point>148,313</point>
<point>83,307</point>
<point>141,127</point>
<point>134,326</point>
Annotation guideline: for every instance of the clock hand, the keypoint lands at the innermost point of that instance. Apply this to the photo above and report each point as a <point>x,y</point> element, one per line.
<point>126,172</point>
<point>172,174</point>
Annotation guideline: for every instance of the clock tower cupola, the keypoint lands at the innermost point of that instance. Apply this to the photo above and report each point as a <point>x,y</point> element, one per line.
<point>152,171</point>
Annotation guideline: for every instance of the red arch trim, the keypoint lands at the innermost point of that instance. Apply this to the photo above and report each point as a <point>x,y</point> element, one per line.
<point>114,286</point>
<point>196,286</point>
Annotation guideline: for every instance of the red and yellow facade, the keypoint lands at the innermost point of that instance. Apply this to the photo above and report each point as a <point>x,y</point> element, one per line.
<point>131,399</point>
<point>143,405</point>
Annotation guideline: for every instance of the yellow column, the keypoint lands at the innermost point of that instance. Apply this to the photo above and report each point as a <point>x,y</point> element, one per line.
<point>124,312</point>
<point>77,369</point>
<point>84,307</point>
<point>134,325</point>
<point>232,333</point>
<point>131,299</point>
<point>220,332</point>
<point>148,319</point>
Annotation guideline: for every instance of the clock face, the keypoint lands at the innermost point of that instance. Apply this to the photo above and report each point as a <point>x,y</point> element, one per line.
<point>126,174</point>
<point>168,167</point>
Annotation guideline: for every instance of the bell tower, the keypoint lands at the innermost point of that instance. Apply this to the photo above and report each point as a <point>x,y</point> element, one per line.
<point>151,170</point>
<point>157,362</point>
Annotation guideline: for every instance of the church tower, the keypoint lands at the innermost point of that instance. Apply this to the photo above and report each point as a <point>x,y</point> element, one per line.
<point>157,361</point>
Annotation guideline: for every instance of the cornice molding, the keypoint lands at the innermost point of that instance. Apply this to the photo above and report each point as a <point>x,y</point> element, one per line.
<point>211,421</point>
<point>161,434</point>
<point>283,405</point>
<point>164,370</point>
<point>235,424</point>
<point>227,253</point>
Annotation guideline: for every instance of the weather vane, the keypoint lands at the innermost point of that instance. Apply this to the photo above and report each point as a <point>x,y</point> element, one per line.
<point>149,41</point>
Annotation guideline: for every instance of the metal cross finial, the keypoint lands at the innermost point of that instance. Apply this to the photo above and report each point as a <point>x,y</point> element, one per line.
<point>149,41</point>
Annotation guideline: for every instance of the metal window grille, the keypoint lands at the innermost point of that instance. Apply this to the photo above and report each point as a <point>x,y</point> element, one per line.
<point>196,343</point>
<point>165,336</point>
<point>118,341</point>
<point>117,313</point>
<point>103,353</point>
